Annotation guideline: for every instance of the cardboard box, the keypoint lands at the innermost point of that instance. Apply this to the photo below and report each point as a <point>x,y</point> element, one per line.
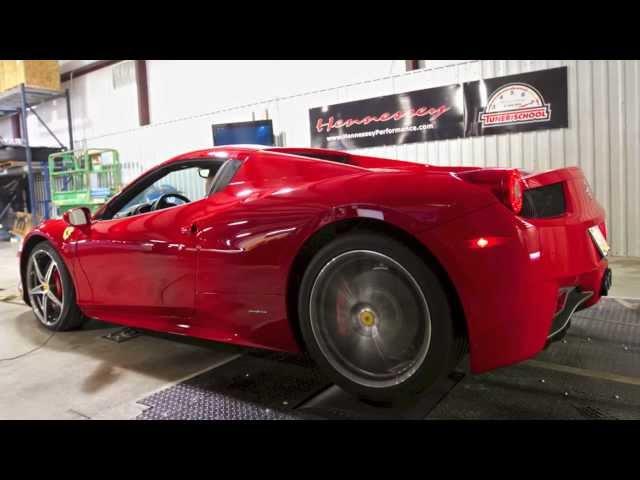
<point>33,73</point>
<point>22,225</point>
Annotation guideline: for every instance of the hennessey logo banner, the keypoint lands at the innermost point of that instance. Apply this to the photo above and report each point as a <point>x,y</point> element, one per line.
<point>420,116</point>
<point>432,113</point>
<point>528,101</point>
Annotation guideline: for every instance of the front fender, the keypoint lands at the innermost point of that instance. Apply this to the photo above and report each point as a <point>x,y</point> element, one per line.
<point>51,231</point>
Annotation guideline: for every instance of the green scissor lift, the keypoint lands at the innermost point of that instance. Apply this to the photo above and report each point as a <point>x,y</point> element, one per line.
<point>84,178</point>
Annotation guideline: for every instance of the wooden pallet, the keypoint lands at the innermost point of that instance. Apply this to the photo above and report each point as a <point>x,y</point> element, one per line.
<point>11,164</point>
<point>22,224</point>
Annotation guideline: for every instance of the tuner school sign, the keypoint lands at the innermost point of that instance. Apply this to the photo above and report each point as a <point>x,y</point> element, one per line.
<point>513,104</point>
<point>517,103</point>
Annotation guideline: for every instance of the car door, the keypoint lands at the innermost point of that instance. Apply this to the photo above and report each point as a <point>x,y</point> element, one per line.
<point>140,270</point>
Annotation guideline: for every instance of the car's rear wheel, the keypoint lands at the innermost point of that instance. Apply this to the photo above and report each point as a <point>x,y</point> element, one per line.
<point>375,317</point>
<point>50,290</point>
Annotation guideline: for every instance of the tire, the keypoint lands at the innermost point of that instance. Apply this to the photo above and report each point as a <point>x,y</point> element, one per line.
<point>393,307</point>
<point>54,305</point>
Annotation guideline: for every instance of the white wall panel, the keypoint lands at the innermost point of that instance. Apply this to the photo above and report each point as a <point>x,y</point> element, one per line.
<point>5,128</point>
<point>188,96</point>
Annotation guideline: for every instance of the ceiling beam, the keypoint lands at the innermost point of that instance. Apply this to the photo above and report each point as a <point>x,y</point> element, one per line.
<point>143,92</point>
<point>92,67</point>
<point>412,65</point>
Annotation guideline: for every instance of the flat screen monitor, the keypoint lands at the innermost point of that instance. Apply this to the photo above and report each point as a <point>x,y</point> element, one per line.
<point>259,132</point>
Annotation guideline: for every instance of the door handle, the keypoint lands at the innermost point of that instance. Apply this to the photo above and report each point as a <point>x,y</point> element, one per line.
<point>189,230</point>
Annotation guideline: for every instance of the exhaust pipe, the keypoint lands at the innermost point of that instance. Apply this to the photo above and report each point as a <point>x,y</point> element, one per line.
<point>574,298</point>
<point>607,280</point>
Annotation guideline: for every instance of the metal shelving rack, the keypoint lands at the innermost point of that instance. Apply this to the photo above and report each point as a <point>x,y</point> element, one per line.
<point>22,99</point>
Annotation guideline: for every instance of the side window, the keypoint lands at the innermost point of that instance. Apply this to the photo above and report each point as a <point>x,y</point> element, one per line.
<point>181,184</point>
<point>224,176</point>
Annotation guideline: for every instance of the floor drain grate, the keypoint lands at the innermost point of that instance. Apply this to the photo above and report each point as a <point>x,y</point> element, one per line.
<point>122,335</point>
<point>593,413</point>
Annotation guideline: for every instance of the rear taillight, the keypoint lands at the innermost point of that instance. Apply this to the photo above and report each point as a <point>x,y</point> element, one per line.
<point>513,187</point>
<point>505,183</point>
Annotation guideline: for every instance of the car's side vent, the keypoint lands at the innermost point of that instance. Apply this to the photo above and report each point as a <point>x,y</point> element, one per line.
<point>544,202</point>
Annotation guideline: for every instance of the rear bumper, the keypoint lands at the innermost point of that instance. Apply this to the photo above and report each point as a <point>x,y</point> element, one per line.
<point>509,289</point>
<point>574,300</point>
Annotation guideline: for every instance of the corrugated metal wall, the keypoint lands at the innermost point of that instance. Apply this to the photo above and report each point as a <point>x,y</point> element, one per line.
<point>40,197</point>
<point>602,138</point>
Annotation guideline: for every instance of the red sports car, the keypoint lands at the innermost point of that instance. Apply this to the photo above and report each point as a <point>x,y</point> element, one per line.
<point>385,272</point>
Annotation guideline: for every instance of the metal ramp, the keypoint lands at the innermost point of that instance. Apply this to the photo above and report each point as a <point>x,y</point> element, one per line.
<point>593,374</point>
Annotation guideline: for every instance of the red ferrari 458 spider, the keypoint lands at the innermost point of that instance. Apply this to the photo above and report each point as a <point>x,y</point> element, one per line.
<point>385,272</point>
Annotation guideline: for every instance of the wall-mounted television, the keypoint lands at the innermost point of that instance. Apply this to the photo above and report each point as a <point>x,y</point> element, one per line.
<point>258,132</point>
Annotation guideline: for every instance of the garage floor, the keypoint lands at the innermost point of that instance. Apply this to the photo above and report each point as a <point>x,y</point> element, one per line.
<point>81,375</point>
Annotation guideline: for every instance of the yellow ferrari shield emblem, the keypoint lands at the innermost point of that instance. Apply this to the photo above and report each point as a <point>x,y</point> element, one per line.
<point>67,233</point>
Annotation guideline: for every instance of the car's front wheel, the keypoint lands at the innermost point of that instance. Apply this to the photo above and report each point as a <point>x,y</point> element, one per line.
<point>50,290</point>
<point>375,317</point>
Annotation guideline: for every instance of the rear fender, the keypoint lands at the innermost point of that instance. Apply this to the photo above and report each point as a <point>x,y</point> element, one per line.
<point>414,201</point>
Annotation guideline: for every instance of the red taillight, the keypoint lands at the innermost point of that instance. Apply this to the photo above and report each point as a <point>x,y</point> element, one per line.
<point>506,184</point>
<point>513,187</point>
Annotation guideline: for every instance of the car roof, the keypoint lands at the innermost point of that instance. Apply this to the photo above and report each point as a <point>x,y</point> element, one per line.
<point>211,152</point>
<point>221,150</point>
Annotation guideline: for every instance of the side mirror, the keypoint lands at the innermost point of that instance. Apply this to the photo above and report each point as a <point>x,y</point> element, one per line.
<point>78,217</point>
<point>204,172</point>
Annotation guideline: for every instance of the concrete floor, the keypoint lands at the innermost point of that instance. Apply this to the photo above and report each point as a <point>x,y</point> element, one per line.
<point>626,277</point>
<point>81,375</point>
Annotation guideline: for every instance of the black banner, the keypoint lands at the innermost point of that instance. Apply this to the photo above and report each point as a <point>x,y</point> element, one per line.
<point>515,103</point>
<point>420,116</point>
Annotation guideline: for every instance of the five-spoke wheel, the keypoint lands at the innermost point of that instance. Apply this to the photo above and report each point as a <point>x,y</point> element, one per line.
<point>44,286</point>
<point>50,290</point>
